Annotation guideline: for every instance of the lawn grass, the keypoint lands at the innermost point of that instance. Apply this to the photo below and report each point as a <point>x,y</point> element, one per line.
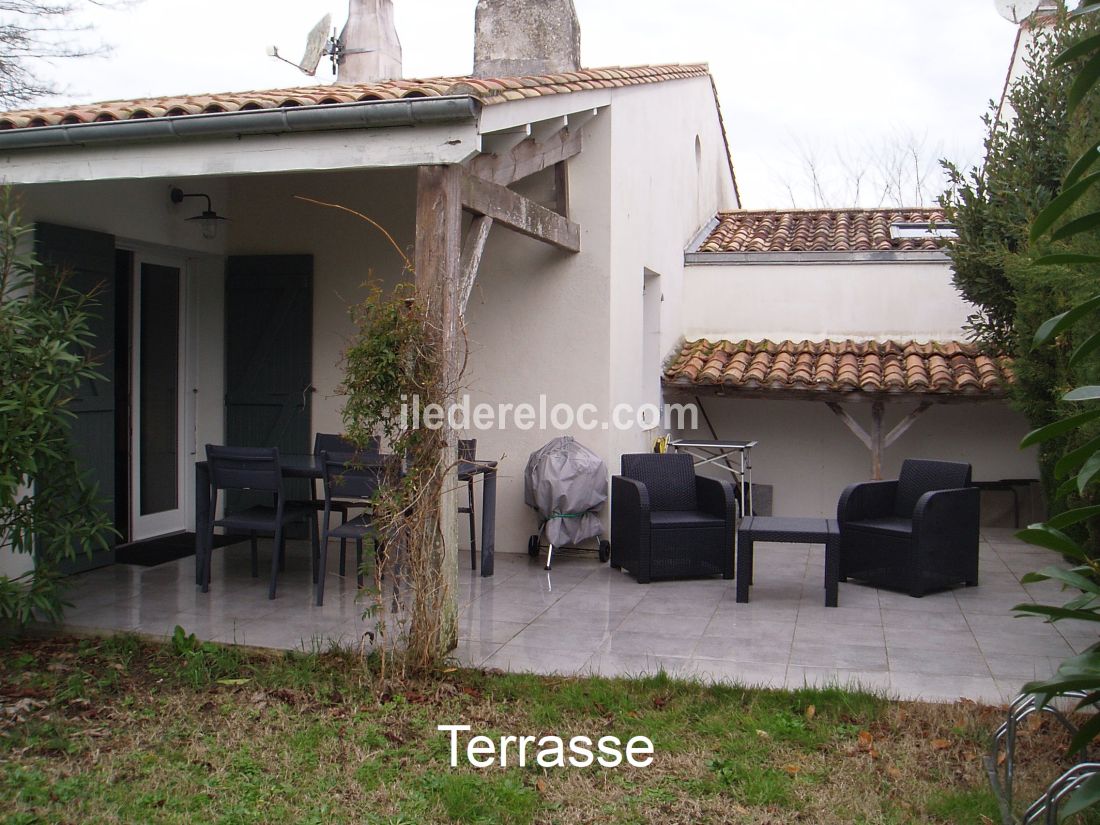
<point>120,730</point>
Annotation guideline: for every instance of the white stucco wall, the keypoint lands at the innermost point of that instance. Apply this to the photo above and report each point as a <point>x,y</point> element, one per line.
<point>540,321</point>
<point>347,251</point>
<point>570,326</point>
<point>804,450</point>
<point>670,175</point>
<point>810,456</point>
<point>791,301</point>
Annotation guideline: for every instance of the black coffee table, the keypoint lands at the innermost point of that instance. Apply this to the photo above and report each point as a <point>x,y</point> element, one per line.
<point>793,530</point>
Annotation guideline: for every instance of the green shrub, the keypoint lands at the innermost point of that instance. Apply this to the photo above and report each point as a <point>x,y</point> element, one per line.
<point>46,506</point>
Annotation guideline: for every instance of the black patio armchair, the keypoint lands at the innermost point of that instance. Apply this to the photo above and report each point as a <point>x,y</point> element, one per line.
<point>914,534</point>
<point>667,522</point>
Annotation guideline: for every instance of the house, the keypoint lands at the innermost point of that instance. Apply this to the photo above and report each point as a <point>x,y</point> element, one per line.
<point>836,339</point>
<point>588,225</point>
<point>593,182</point>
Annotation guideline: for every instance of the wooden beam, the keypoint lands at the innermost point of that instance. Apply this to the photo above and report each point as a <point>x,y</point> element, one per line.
<point>497,143</point>
<point>520,214</point>
<point>544,129</point>
<point>561,188</point>
<point>472,251</point>
<point>876,441</point>
<point>878,410</point>
<point>851,423</point>
<point>906,423</point>
<point>524,159</point>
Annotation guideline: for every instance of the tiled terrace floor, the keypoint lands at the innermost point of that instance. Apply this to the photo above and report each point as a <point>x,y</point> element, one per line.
<point>586,618</point>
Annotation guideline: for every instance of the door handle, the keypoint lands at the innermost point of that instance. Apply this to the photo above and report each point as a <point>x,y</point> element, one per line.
<point>305,393</point>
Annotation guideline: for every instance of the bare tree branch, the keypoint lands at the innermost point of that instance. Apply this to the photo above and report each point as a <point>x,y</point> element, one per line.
<point>33,34</point>
<point>901,170</point>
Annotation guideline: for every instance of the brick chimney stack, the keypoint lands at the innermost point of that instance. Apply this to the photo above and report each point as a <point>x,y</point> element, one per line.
<point>372,50</point>
<point>526,37</point>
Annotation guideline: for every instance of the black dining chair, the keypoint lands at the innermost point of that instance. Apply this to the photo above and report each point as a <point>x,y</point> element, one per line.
<point>467,472</point>
<point>256,469</point>
<point>352,478</point>
<point>335,443</point>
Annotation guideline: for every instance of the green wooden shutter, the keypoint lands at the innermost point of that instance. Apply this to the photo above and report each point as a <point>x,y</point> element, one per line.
<point>269,354</point>
<point>89,257</point>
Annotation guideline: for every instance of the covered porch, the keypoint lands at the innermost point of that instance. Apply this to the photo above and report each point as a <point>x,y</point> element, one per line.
<point>236,337</point>
<point>587,618</point>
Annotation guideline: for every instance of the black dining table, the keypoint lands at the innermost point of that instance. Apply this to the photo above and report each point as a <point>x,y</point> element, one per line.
<point>308,466</point>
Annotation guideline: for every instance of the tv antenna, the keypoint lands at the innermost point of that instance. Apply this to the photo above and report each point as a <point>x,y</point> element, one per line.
<point>319,43</point>
<point>1017,11</point>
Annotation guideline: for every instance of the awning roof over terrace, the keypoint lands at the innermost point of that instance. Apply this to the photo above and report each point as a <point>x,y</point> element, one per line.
<point>840,372</point>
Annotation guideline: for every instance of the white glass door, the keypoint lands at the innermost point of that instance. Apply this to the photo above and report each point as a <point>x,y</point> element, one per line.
<point>157,450</point>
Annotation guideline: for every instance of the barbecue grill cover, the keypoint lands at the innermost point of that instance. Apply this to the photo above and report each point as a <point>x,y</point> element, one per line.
<point>565,478</point>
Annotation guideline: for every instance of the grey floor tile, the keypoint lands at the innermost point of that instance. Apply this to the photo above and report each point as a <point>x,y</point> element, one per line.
<point>846,656</point>
<point>664,624</point>
<point>922,620</point>
<point>514,658</point>
<point>487,630</point>
<point>587,616</point>
<point>929,688</point>
<point>1009,667</point>
<point>743,650</point>
<point>748,674</point>
<point>555,637</point>
<point>841,615</point>
<point>473,653</point>
<point>960,641</point>
<point>1051,644</point>
<point>799,676</point>
<point>631,665</point>
<point>649,644</point>
<point>817,631</point>
<point>749,629</point>
<point>940,663</point>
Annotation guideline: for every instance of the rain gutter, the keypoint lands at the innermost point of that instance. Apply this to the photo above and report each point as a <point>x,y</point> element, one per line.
<point>373,114</point>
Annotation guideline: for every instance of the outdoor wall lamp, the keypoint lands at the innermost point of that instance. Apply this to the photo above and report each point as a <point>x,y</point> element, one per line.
<point>209,220</point>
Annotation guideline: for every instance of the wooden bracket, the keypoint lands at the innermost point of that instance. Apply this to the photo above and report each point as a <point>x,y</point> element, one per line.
<point>876,441</point>
<point>520,214</point>
<point>472,250</point>
<point>525,157</point>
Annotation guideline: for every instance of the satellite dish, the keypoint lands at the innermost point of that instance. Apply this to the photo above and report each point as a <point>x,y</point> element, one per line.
<point>1017,11</point>
<point>318,44</point>
<point>315,45</point>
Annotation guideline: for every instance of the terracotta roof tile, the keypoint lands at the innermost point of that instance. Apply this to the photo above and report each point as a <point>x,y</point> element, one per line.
<point>877,367</point>
<point>489,91</point>
<point>818,230</point>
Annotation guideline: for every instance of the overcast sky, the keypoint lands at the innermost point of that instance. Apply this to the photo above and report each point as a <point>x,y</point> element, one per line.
<point>820,79</point>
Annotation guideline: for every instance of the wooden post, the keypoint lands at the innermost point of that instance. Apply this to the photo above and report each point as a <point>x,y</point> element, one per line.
<point>878,410</point>
<point>876,441</point>
<point>438,256</point>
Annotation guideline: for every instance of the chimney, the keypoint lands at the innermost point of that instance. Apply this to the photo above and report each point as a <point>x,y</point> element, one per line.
<point>370,48</point>
<point>526,37</point>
